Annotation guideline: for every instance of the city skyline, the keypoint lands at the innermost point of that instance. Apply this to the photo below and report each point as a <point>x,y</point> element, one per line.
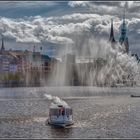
<point>73,65</point>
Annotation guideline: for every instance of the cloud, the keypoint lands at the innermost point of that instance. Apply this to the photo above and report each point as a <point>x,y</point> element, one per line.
<point>110,7</point>
<point>78,3</point>
<point>26,4</point>
<point>68,23</point>
<point>37,29</point>
<point>73,27</point>
<point>59,29</point>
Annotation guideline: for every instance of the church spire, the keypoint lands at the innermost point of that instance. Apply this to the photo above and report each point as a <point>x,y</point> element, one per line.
<point>123,36</point>
<point>2,46</point>
<point>124,25</point>
<point>111,38</point>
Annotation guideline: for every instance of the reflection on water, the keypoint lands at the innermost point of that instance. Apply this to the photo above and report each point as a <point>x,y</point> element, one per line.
<point>58,132</point>
<point>21,119</point>
<point>98,113</point>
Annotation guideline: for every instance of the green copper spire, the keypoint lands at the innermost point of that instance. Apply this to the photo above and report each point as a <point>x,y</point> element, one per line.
<point>123,36</point>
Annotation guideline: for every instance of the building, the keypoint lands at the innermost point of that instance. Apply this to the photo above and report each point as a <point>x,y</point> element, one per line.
<point>2,50</point>
<point>123,40</point>
<point>8,62</point>
<point>111,37</point>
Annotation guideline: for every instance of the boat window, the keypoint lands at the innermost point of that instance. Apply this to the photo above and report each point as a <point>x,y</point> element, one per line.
<point>68,111</point>
<point>61,111</point>
<point>54,112</point>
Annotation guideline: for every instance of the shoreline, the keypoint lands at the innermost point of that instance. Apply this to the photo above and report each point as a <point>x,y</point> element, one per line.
<point>38,86</point>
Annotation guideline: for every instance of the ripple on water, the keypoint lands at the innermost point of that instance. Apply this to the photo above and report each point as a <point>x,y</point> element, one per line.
<point>94,116</point>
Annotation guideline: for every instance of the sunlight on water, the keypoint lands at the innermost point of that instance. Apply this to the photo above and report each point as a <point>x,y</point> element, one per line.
<point>110,113</point>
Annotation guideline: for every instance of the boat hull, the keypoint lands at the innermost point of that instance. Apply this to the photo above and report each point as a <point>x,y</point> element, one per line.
<point>61,124</point>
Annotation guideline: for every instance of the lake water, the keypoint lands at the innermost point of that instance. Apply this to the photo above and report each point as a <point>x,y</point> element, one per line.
<point>98,112</point>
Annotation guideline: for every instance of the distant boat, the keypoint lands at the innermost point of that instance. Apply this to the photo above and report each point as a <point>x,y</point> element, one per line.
<point>60,116</point>
<point>135,95</point>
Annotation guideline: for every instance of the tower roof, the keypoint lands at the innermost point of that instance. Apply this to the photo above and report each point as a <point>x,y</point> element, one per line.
<point>2,45</point>
<point>111,38</point>
<point>124,16</point>
<point>123,34</point>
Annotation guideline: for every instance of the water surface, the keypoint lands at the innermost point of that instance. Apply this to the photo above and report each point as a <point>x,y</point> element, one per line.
<point>98,112</point>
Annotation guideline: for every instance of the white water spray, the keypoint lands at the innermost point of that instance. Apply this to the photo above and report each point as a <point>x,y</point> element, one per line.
<point>106,66</point>
<point>55,100</point>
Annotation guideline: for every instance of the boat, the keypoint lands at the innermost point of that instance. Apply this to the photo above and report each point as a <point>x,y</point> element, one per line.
<point>134,95</point>
<point>60,115</point>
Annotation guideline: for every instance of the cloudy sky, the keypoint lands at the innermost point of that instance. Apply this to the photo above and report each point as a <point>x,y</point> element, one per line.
<point>55,25</point>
